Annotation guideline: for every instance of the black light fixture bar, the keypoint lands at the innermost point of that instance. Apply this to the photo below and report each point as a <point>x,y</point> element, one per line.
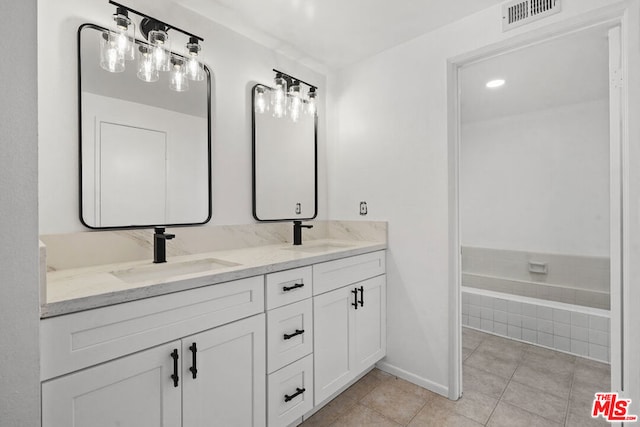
<point>156,20</point>
<point>295,78</point>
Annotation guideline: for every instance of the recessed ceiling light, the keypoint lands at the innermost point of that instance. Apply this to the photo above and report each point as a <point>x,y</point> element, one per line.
<point>495,83</point>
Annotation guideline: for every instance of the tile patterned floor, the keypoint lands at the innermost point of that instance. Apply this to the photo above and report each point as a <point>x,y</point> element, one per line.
<point>506,383</point>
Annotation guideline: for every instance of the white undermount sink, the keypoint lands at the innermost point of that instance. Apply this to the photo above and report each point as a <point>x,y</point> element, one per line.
<point>318,247</point>
<point>169,269</point>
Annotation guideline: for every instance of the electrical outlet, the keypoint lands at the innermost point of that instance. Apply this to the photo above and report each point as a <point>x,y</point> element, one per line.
<point>363,208</point>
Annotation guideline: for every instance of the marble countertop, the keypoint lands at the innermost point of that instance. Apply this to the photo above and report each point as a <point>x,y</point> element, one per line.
<point>85,288</point>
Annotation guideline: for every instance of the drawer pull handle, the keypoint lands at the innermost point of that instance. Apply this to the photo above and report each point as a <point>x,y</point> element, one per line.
<point>175,376</point>
<point>361,296</point>
<point>355,298</point>
<point>290,288</point>
<point>298,392</point>
<point>297,332</point>
<point>193,368</point>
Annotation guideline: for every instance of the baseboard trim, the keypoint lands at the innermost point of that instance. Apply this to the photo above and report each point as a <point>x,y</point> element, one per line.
<point>412,378</point>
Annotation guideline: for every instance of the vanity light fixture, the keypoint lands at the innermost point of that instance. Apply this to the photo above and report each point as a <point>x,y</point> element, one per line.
<point>179,81</point>
<point>492,84</point>
<point>286,97</point>
<point>119,45</point>
<point>295,101</point>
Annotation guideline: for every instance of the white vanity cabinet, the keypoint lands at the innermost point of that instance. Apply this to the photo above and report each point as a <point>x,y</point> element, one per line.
<point>99,368</point>
<point>349,320</point>
<point>289,345</point>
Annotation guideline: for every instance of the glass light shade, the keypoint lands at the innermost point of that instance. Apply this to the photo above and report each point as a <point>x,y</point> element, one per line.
<point>147,70</point>
<point>194,69</point>
<point>312,102</point>
<point>279,97</point>
<point>178,81</point>
<point>125,36</point>
<point>161,49</point>
<point>111,59</point>
<point>295,101</point>
<point>260,100</point>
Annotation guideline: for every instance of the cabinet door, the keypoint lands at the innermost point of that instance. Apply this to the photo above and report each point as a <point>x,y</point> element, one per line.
<point>135,391</point>
<point>370,331</point>
<point>230,384</point>
<point>333,331</point>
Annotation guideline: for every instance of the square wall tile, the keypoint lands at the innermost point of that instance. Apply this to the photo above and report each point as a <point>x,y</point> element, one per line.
<point>474,310</point>
<point>599,323</point>
<point>514,307</point>
<point>529,310</point>
<point>580,319</point>
<point>475,299</point>
<point>562,316</point>
<point>514,332</point>
<point>487,301</point>
<point>465,308</point>
<point>474,322</point>
<point>598,337</point>
<point>545,339</point>
<point>465,298</point>
<point>562,343</point>
<point>545,326</point>
<point>500,316</point>
<point>500,328</point>
<point>562,330</point>
<point>486,325</point>
<point>514,320</point>
<point>544,313</point>
<point>486,313</point>
<point>465,319</point>
<point>579,333</point>
<point>530,335</point>
<point>580,348</point>
<point>500,304</point>
<point>530,323</point>
<point>599,352</point>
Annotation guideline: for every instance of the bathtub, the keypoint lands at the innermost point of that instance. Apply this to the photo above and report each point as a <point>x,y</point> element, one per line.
<point>570,328</point>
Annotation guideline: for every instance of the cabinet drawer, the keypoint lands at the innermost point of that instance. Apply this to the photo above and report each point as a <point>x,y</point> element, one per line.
<point>285,287</point>
<point>290,392</point>
<point>285,340</point>
<point>83,339</point>
<point>335,274</point>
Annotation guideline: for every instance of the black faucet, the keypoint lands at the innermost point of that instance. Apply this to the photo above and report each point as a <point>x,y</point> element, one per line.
<point>160,245</point>
<point>297,232</point>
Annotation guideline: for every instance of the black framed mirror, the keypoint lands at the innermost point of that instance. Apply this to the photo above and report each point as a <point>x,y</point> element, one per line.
<point>145,150</point>
<point>285,166</point>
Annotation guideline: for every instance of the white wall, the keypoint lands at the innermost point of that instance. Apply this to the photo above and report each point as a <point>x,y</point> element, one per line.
<point>236,64</point>
<point>391,149</point>
<point>537,182</point>
<point>19,289</point>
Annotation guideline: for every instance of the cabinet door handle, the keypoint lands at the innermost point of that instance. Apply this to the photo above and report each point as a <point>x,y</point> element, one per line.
<point>361,296</point>
<point>193,369</point>
<point>297,332</point>
<point>355,298</point>
<point>175,376</point>
<point>298,392</point>
<point>290,288</point>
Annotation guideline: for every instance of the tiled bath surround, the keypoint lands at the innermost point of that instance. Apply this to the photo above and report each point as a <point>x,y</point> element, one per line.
<point>577,330</point>
<point>570,279</point>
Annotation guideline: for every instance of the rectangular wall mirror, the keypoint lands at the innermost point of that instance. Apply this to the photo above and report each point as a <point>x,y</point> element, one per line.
<point>284,165</point>
<point>145,150</point>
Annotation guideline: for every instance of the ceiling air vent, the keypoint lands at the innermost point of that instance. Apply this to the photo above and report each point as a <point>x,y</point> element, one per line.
<point>520,12</point>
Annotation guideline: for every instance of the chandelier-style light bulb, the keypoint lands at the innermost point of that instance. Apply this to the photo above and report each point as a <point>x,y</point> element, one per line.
<point>111,58</point>
<point>159,39</point>
<point>260,100</point>
<point>279,96</point>
<point>312,102</point>
<point>179,81</point>
<point>194,67</point>
<point>147,70</point>
<point>124,34</point>
<point>295,101</point>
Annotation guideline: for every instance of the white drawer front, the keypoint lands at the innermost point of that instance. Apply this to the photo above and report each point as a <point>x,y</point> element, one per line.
<point>283,407</point>
<point>285,340</point>
<point>83,339</point>
<point>285,287</point>
<point>332,275</point>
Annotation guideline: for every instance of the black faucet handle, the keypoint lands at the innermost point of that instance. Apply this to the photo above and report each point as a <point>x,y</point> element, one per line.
<point>307,226</point>
<point>169,236</point>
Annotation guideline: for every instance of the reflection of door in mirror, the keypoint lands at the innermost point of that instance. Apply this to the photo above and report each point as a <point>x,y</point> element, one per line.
<point>284,167</point>
<point>145,150</point>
